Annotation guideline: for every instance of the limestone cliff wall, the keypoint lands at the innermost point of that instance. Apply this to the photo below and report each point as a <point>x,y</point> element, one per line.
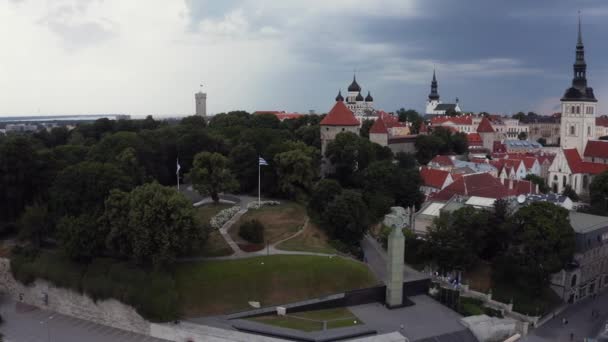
<point>107,312</point>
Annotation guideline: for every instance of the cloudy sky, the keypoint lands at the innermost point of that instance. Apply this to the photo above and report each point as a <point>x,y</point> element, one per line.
<point>149,56</point>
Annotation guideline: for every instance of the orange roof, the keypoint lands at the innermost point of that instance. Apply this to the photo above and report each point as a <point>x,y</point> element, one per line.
<point>433,177</point>
<point>457,120</point>
<point>442,160</point>
<point>601,121</point>
<point>474,139</point>
<point>378,127</point>
<point>477,184</point>
<point>340,115</point>
<point>596,149</point>
<point>485,126</point>
<point>577,165</point>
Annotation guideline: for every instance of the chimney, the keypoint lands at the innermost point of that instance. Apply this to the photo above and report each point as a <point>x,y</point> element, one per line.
<point>537,189</point>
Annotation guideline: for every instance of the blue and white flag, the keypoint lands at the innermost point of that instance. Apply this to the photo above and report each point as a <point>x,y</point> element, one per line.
<point>178,167</point>
<point>262,162</point>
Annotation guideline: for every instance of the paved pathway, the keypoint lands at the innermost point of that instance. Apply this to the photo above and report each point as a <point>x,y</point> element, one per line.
<point>426,319</point>
<point>579,319</point>
<point>29,324</point>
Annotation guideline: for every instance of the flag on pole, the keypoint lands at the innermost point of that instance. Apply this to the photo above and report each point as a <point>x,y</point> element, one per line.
<point>178,167</point>
<point>262,162</point>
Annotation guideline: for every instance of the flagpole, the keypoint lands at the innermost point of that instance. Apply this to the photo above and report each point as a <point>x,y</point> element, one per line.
<point>177,174</point>
<point>259,184</point>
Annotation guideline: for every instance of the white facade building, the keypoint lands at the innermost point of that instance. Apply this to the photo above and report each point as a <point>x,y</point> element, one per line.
<point>201,103</point>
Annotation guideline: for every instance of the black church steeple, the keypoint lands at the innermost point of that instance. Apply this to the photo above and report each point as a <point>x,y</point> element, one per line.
<point>579,89</point>
<point>434,95</point>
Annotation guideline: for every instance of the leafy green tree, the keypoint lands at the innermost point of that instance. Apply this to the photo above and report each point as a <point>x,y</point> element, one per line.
<point>427,147</point>
<point>542,141</point>
<point>23,176</point>
<point>210,175</point>
<point>458,239</point>
<point>128,163</point>
<point>459,143</point>
<point>519,116</point>
<point>34,224</point>
<point>244,163</point>
<point>570,193</point>
<point>108,148</point>
<point>82,188</point>
<point>522,136</point>
<point>598,193</point>
<point>412,117</point>
<point>194,121</point>
<point>151,225</point>
<point>540,181</point>
<point>365,127</point>
<point>81,237</point>
<point>296,170</point>
<point>349,153</point>
<point>406,160</point>
<point>310,135</point>
<point>343,154</point>
<point>323,193</point>
<point>265,121</point>
<point>346,218</point>
<point>543,243</point>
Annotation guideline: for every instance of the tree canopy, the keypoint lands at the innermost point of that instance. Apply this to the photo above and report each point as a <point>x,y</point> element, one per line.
<point>210,175</point>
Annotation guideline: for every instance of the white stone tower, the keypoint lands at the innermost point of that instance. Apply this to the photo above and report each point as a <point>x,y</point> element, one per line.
<point>394,279</point>
<point>201,103</point>
<point>433,99</point>
<point>579,105</point>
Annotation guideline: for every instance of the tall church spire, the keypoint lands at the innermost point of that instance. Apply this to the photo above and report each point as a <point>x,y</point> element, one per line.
<point>434,95</point>
<point>579,80</point>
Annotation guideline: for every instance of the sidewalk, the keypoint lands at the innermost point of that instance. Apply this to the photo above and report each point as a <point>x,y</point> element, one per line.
<point>24,323</point>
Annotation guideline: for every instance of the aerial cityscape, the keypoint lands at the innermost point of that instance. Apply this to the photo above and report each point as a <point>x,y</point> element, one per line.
<point>384,171</point>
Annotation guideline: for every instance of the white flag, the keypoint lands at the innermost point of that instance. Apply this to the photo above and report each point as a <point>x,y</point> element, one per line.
<point>262,162</point>
<point>178,167</point>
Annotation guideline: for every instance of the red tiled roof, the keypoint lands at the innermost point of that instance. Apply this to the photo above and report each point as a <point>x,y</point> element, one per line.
<point>280,114</point>
<point>529,162</point>
<point>596,149</point>
<point>378,127</point>
<point>577,165</point>
<point>478,160</point>
<point>519,187</point>
<point>499,147</point>
<point>442,160</point>
<point>601,121</point>
<point>433,177</point>
<point>485,126</point>
<point>478,184</point>
<point>340,115</point>
<point>456,120</point>
<point>474,139</point>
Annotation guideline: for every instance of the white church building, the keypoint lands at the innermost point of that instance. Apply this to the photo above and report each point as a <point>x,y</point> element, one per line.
<point>581,156</point>
<point>434,106</point>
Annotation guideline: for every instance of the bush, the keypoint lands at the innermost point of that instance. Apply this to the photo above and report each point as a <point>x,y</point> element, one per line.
<point>252,231</point>
<point>471,307</point>
<point>344,248</point>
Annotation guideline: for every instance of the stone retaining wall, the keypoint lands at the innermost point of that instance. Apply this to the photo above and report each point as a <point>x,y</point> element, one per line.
<point>45,295</point>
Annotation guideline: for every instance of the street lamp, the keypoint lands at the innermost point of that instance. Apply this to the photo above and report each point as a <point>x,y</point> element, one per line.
<point>48,327</point>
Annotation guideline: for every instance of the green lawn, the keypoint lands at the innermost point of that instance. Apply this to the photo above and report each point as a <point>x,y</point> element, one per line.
<point>312,320</point>
<point>312,239</point>
<point>279,221</point>
<point>216,245</point>
<point>217,287</point>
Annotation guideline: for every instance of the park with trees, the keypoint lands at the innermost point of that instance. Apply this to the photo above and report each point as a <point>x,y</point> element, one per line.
<point>95,208</point>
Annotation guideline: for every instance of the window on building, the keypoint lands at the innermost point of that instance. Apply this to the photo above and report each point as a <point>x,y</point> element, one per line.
<point>572,130</point>
<point>564,181</point>
<point>588,130</point>
<point>590,110</point>
<point>585,181</point>
<point>573,281</point>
